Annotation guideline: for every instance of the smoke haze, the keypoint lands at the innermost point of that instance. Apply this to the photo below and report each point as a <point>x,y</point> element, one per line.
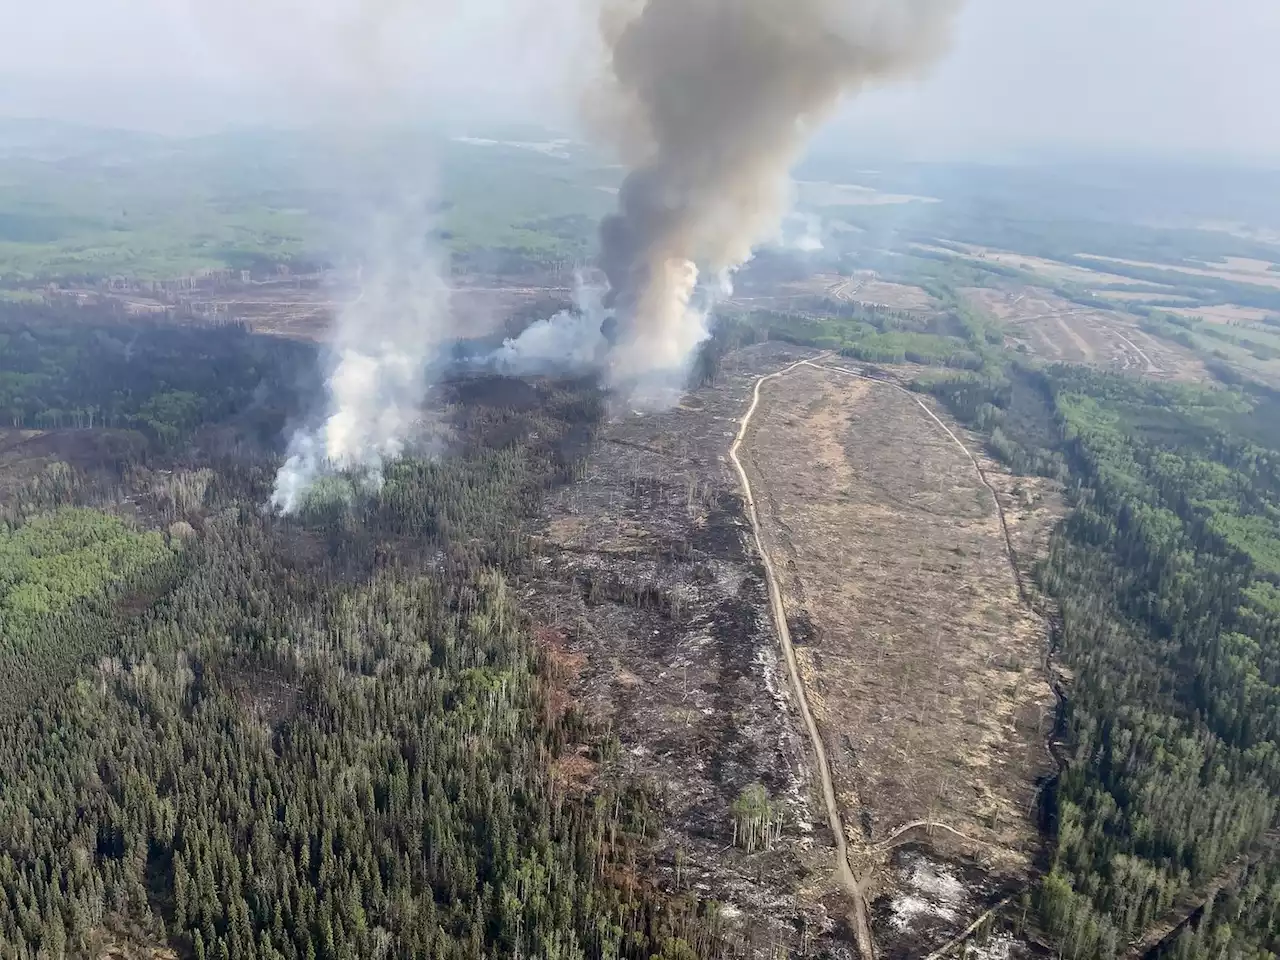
<point>711,102</point>
<point>378,355</point>
<point>569,342</point>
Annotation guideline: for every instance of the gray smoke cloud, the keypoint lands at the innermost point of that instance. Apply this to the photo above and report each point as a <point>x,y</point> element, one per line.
<point>801,232</point>
<point>711,103</point>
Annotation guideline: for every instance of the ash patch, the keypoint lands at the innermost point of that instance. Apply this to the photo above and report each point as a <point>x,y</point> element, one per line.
<point>932,891</point>
<point>647,569</point>
<point>927,899</point>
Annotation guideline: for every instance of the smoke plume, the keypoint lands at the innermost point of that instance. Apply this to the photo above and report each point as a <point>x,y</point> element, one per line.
<point>801,232</point>
<point>378,354</point>
<point>570,342</point>
<point>348,63</point>
<point>711,102</point>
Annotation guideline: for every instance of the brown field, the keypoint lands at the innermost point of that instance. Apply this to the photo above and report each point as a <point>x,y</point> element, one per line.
<point>304,308</point>
<point>922,663</point>
<point>1050,269</point>
<point>1235,269</point>
<point>1054,329</point>
<point>864,286</point>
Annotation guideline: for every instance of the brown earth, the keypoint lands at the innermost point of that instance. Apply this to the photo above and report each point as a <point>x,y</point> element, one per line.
<point>920,659</point>
<point>923,668</point>
<point>1051,328</point>
<point>305,307</point>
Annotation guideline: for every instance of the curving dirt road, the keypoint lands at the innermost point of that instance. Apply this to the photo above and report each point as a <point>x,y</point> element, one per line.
<point>854,886</point>
<point>858,918</point>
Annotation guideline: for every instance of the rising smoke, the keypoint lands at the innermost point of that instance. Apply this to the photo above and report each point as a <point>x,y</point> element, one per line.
<point>801,232</point>
<point>361,68</point>
<point>568,342</point>
<point>378,355</point>
<point>711,102</point>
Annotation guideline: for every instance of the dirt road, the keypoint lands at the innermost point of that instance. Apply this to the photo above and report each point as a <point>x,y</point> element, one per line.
<point>858,919</point>
<point>853,885</point>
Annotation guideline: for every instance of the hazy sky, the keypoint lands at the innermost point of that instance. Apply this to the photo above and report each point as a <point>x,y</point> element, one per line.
<point>1179,77</point>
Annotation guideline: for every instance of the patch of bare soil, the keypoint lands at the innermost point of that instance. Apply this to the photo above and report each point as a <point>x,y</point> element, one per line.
<point>921,661</point>
<point>1048,327</point>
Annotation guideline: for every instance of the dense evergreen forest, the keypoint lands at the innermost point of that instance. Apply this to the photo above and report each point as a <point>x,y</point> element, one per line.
<point>1166,581</point>
<point>237,736</point>
<point>337,735</point>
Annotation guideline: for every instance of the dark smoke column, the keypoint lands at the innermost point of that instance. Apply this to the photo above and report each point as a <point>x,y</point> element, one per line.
<point>713,102</point>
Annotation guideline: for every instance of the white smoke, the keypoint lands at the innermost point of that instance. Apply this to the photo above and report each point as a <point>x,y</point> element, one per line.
<point>570,342</point>
<point>379,351</point>
<point>575,342</point>
<point>801,232</point>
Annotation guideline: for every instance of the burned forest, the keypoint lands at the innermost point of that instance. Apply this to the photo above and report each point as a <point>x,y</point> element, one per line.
<point>698,543</point>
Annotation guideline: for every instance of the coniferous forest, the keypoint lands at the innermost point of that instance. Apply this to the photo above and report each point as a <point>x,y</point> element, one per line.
<point>1165,578</point>
<point>236,736</point>
<point>233,735</point>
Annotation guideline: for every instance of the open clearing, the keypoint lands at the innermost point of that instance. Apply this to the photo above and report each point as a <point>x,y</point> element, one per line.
<point>921,663</point>
<point>1243,230</point>
<point>823,194</point>
<point>1051,270</point>
<point>650,577</point>
<point>1234,269</point>
<point>865,286</point>
<point>862,286</point>
<point>1058,330</point>
<point>304,307</point>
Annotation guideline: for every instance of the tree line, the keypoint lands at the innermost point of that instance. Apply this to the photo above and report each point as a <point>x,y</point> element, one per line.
<point>1165,577</point>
